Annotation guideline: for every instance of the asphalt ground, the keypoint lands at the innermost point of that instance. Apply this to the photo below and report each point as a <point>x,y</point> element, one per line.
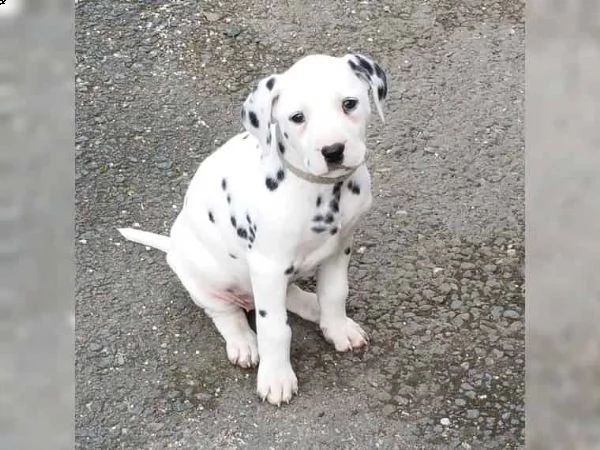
<point>437,278</point>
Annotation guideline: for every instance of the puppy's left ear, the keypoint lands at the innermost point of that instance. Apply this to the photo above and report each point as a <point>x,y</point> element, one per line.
<point>369,71</point>
<point>258,108</point>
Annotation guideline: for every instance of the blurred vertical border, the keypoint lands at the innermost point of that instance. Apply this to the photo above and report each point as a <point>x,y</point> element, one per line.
<point>563,224</point>
<point>36,224</point>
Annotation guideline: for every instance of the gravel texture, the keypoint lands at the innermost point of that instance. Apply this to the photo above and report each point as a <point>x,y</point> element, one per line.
<point>437,275</point>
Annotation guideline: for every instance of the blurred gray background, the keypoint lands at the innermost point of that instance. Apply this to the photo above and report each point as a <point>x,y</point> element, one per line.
<point>563,224</point>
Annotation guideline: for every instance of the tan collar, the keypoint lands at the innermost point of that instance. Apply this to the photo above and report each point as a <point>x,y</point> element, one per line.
<point>311,178</point>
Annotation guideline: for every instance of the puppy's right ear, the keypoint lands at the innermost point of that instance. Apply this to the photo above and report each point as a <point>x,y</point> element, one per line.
<point>258,108</point>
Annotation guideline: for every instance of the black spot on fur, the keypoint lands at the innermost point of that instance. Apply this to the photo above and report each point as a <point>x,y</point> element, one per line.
<point>365,64</point>
<point>233,222</point>
<point>280,175</point>
<point>245,137</point>
<point>224,184</point>
<point>243,113</point>
<point>334,205</point>
<point>318,229</point>
<point>281,148</point>
<point>262,313</point>
<point>233,256</point>
<point>319,200</point>
<point>248,219</point>
<point>329,218</point>
<point>318,218</point>
<point>271,184</point>
<point>253,119</point>
<point>354,188</point>
<point>381,74</point>
<point>211,217</point>
<point>228,198</point>
<point>336,189</point>
<point>334,230</point>
<point>250,246</point>
<point>270,83</point>
<point>347,251</point>
<point>269,138</point>
<point>289,270</point>
<point>285,135</point>
<point>241,232</point>
<point>353,66</point>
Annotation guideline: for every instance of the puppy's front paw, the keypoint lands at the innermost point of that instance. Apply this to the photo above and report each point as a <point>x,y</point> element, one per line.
<point>276,383</point>
<point>345,334</point>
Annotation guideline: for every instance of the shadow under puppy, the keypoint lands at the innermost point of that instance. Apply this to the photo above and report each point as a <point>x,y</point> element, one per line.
<point>278,202</point>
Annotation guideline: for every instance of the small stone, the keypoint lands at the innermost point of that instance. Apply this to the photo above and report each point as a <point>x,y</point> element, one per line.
<point>173,394</point>
<point>456,304</point>
<point>511,314</point>
<point>164,165</point>
<point>511,252</point>
<point>156,426</point>
<point>445,421</point>
<point>496,312</point>
<point>388,409</point>
<point>489,268</point>
<point>400,400</point>
<point>472,413</point>
<point>384,396</point>
<point>103,363</point>
<point>95,347</point>
<point>445,288</point>
<point>467,266</point>
<point>120,360</point>
<point>233,31</point>
<point>466,387</point>
<point>211,16</point>
<point>460,402</point>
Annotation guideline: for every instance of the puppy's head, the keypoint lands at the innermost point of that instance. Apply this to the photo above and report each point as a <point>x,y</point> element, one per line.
<point>321,108</point>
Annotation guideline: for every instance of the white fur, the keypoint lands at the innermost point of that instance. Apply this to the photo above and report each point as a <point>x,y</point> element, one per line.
<point>225,270</point>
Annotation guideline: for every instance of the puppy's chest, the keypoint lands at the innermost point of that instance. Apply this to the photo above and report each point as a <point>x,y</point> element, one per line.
<point>328,221</point>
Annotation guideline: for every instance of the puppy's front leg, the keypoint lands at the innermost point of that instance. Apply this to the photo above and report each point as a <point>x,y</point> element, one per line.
<point>276,380</point>
<point>332,291</point>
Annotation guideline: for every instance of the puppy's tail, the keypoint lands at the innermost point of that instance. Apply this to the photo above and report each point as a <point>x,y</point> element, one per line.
<point>146,238</point>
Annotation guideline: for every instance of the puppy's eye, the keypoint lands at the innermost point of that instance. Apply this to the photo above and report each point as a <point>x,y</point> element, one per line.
<point>349,105</point>
<point>297,118</point>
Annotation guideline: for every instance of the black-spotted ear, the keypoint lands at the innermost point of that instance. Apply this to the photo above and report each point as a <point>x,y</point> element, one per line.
<point>370,72</point>
<point>257,110</point>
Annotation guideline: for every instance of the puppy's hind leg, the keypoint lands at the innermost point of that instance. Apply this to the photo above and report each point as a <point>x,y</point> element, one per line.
<point>230,319</point>
<point>302,303</point>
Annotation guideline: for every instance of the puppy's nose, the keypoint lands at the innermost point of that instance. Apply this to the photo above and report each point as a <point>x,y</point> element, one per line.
<point>334,153</point>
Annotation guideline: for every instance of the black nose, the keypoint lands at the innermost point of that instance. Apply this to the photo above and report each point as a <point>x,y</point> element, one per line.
<point>333,154</point>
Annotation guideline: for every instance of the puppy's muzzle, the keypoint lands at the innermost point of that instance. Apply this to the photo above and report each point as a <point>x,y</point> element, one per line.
<point>333,154</point>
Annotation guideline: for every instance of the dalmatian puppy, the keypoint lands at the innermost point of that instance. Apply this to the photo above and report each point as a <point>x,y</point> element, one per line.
<point>275,203</point>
